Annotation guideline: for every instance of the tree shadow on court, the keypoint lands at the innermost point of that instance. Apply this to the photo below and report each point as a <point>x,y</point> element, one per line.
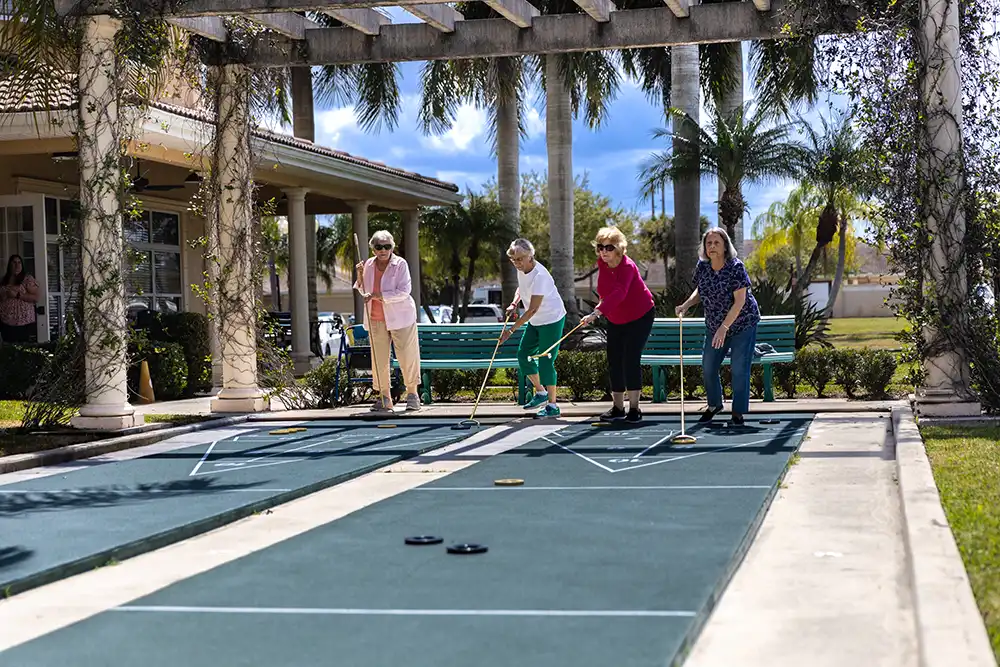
<point>19,504</point>
<point>10,556</point>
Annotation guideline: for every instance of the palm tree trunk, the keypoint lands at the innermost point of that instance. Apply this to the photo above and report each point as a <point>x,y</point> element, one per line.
<point>508,178</point>
<point>685,95</point>
<point>733,99</point>
<point>559,142</point>
<point>841,260</point>
<point>304,127</point>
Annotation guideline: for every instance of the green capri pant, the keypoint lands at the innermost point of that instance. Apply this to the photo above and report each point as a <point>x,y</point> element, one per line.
<point>535,340</point>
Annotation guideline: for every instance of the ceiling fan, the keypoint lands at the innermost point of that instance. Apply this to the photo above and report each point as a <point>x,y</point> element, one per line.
<point>141,183</point>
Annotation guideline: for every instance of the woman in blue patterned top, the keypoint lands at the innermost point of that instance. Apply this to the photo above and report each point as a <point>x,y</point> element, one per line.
<point>722,286</point>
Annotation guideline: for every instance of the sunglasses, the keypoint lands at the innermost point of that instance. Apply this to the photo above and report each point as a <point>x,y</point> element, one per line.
<point>605,248</point>
<point>380,246</point>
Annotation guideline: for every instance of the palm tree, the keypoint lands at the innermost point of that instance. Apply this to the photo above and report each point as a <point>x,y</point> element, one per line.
<point>735,149</point>
<point>836,164</point>
<point>497,85</point>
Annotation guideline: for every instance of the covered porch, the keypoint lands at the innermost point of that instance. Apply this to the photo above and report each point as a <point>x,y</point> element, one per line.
<point>40,195</point>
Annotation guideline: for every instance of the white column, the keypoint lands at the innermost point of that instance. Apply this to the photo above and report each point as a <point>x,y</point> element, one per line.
<point>947,388</point>
<point>232,166</point>
<point>411,251</point>
<point>359,215</point>
<point>299,273</point>
<point>104,312</point>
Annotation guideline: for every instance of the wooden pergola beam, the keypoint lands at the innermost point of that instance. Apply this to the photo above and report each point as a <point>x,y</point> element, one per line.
<point>558,33</point>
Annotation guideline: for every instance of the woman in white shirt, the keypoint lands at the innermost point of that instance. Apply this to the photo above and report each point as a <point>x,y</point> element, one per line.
<point>390,317</point>
<point>543,319</point>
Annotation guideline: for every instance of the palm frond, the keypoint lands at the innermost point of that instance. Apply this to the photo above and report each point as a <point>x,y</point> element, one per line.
<point>378,101</point>
<point>718,71</point>
<point>651,68</point>
<point>785,73</point>
<point>439,96</point>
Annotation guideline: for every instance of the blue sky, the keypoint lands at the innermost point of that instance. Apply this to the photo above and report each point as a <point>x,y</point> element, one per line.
<point>610,156</point>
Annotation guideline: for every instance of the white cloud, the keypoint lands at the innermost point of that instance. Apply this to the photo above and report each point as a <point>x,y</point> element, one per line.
<point>534,123</point>
<point>332,124</point>
<point>469,125</point>
<point>465,179</point>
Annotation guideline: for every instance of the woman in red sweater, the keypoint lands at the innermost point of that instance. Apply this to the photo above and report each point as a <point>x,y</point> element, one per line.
<point>627,304</point>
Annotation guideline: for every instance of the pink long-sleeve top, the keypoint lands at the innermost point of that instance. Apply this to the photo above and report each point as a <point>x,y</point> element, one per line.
<point>624,295</point>
<point>398,306</point>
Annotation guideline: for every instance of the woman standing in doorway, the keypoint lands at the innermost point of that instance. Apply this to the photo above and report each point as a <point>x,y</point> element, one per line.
<point>722,286</point>
<point>628,305</point>
<point>18,294</point>
<point>390,317</point>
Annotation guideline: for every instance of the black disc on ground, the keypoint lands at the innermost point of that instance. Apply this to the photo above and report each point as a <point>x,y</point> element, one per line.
<point>468,549</point>
<point>424,539</point>
<point>770,421</point>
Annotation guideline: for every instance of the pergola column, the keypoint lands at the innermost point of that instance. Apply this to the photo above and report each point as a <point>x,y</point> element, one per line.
<point>235,293</point>
<point>946,390</point>
<point>104,267</point>
<point>299,271</point>
<point>411,251</point>
<point>359,216</point>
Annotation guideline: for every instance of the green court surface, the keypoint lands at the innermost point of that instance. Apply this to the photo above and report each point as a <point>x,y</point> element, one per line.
<point>61,524</point>
<point>612,553</point>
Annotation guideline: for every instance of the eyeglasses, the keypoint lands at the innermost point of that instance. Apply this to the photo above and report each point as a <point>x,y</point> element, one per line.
<point>381,246</point>
<point>606,248</point>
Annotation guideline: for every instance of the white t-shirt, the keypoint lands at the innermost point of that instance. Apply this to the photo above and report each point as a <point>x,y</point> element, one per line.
<point>536,282</point>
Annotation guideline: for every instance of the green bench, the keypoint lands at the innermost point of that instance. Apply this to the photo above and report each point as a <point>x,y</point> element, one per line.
<point>663,348</point>
<point>464,347</point>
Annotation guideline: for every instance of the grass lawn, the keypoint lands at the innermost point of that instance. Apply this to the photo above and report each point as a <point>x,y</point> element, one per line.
<point>966,464</point>
<point>875,332</point>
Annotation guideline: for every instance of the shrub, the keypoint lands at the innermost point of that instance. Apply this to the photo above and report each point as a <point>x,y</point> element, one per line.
<point>191,332</point>
<point>22,366</point>
<point>875,371</point>
<point>582,372</point>
<point>786,377</point>
<point>816,367</point>
<point>168,370</point>
<point>845,371</point>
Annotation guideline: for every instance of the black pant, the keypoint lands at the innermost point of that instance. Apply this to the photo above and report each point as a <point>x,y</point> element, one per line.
<point>17,334</point>
<point>625,345</point>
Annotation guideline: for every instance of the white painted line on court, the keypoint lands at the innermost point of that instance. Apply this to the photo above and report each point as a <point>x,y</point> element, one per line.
<point>655,444</point>
<point>582,456</point>
<point>205,456</point>
<point>314,611</point>
<point>245,467</point>
<point>689,456</point>
<point>48,492</point>
<point>596,488</point>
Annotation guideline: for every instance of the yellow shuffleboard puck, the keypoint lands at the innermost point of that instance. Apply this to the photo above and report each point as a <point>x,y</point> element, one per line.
<point>601,424</point>
<point>280,431</point>
<point>387,426</point>
<point>508,482</point>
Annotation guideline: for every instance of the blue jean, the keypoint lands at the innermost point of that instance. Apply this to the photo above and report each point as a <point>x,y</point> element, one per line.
<point>740,349</point>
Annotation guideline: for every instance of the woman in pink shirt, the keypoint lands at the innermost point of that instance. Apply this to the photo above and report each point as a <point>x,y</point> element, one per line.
<point>390,317</point>
<point>627,304</point>
<point>18,294</point>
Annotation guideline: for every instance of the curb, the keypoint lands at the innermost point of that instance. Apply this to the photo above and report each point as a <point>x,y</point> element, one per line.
<point>49,457</point>
<point>950,628</point>
<point>191,529</point>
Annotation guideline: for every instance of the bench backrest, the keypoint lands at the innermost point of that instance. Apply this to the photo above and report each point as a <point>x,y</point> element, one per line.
<point>776,330</point>
<point>465,341</point>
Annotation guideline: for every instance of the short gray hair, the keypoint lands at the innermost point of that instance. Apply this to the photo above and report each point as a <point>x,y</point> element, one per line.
<point>519,246</point>
<point>730,249</point>
<point>381,236</point>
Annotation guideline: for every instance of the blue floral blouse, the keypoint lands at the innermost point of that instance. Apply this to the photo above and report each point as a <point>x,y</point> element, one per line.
<point>716,288</point>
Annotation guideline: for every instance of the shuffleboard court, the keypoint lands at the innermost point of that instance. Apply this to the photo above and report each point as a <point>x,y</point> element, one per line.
<point>57,525</point>
<point>612,552</point>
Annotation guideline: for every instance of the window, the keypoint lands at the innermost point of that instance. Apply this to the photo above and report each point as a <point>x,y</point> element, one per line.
<point>155,278</point>
<point>62,240</point>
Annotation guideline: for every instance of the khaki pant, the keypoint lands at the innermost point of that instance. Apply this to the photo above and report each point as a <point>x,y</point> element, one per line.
<point>407,346</point>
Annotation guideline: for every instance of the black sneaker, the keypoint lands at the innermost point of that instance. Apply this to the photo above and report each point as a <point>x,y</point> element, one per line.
<point>737,419</point>
<point>613,415</point>
<point>634,416</point>
<point>709,414</point>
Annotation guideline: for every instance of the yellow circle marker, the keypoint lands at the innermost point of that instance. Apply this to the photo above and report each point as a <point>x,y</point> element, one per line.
<point>280,431</point>
<point>601,424</point>
<point>508,482</point>
<point>387,426</point>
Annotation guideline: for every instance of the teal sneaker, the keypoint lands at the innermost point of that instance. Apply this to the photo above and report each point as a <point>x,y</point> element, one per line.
<point>536,400</point>
<point>548,411</point>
